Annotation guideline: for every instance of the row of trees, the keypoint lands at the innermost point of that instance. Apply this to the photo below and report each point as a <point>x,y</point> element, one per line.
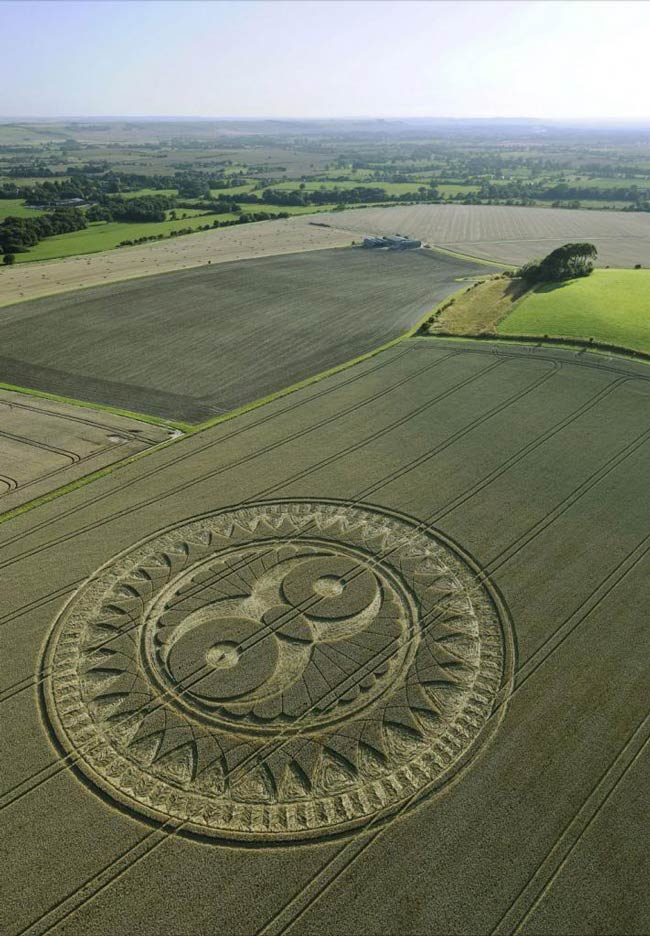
<point>344,196</point>
<point>562,192</point>
<point>88,184</point>
<point>242,219</point>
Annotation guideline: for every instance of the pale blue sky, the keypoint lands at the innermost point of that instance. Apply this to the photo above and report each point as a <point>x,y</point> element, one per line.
<point>265,58</point>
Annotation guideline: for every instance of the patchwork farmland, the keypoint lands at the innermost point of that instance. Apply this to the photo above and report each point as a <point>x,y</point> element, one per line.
<point>496,233</point>
<point>483,662</point>
<point>191,345</point>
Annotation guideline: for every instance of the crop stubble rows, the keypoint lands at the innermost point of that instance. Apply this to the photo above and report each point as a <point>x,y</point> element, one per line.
<point>195,344</point>
<point>508,234</point>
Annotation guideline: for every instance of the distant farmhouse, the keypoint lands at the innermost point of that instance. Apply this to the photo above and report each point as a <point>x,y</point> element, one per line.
<point>393,242</point>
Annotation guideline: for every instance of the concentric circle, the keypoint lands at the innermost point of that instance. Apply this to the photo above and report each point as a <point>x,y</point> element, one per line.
<point>279,671</point>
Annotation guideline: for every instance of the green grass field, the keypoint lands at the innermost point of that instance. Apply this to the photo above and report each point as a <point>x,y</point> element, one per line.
<point>103,235</point>
<point>450,189</point>
<point>233,190</point>
<point>391,188</point>
<point>15,208</point>
<point>289,209</point>
<point>610,306</point>
<point>141,193</point>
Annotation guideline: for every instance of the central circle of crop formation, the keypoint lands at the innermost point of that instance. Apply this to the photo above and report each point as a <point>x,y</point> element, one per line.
<point>279,671</point>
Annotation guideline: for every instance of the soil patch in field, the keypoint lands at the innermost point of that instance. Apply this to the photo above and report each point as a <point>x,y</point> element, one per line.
<point>190,345</point>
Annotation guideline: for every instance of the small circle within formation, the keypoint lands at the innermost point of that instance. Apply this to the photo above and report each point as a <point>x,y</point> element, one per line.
<point>279,671</point>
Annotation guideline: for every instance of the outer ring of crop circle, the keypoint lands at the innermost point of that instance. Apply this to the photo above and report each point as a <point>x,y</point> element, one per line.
<point>115,797</point>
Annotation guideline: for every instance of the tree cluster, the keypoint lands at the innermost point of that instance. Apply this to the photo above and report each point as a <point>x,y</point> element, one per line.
<point>568,262</point>
<point>17,235</point>
<point>145,208</point>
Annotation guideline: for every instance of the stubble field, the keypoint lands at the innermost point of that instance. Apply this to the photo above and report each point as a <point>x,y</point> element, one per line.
<point>268,238</point>
<point>46,444</point>
<point>191,345</point>
<point>508,234</point>
<point>520,473</point>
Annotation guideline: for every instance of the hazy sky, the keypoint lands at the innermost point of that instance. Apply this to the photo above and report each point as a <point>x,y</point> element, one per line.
<point>564,58</point>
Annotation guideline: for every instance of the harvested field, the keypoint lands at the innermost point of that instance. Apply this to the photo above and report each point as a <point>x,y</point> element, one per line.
<point>511,235</point>
<point>267,238</point>
<point>433,470</point>
<point>46,444</point>
<point>190,345</point>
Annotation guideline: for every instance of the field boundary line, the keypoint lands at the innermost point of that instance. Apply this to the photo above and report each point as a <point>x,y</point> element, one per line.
<point>72,417</point>
<point>501,264</point>
<point>451,505</point>
<point>109,469</point>
<point>546,341</point>
<point>210,474</point>
<point>99,407</point>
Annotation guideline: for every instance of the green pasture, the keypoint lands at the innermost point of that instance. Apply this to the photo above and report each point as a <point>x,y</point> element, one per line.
<point>15,208</point>
<point>289,209</point>
<point>242,189</point>
<point>451,189</point>
<point>104,235</point>
<point>605,183</point>
<point>391,188</point>
<point>183,213</point>
<point>141,193</point>
<point>610,306</point>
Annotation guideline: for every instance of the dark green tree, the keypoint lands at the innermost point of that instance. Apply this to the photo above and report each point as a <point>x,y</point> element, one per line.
<point>567,262</point>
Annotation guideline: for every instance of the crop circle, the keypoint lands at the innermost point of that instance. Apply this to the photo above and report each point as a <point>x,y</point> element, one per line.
<point>279,671</point>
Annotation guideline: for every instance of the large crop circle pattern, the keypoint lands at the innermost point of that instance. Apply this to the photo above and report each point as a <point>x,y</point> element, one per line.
<point>279,671</point>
